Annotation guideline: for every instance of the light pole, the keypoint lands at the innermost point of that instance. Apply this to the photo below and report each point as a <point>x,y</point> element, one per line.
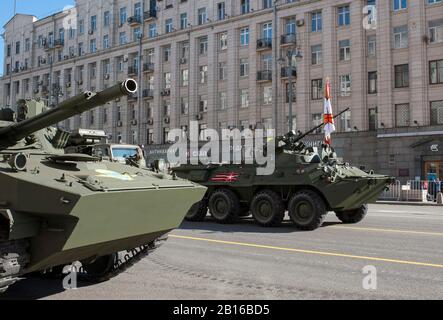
<point>289,69</point>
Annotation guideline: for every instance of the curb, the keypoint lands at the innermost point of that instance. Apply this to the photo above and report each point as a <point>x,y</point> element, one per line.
<point>408,203</point>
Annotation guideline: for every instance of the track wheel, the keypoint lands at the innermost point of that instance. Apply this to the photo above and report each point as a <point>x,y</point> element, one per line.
<point>198,211</point>
<point>352,216</point>
<point>268,208</point>
<point>99,269</point>
<point>307,210</point>
<point>224,206</point>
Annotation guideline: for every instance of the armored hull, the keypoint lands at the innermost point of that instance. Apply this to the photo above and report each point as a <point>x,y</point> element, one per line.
<point>58,208</point>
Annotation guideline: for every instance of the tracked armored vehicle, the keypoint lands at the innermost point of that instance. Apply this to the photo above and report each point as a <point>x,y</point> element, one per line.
<point>306,183</point>
<point>58,208</point>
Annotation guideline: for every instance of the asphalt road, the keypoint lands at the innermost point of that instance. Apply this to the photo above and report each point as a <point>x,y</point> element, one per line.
<point>243,261</point>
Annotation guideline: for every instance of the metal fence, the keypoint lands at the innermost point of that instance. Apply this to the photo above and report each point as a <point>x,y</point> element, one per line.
<point>412,191</point>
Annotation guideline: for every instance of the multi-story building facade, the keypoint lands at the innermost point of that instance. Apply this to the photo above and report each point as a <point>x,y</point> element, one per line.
<point>222,63</point>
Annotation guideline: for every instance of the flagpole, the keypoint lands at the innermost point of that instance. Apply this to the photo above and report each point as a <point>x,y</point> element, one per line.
<point>11,60</point>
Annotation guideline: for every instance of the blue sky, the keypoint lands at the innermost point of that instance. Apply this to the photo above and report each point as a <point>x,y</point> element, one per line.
<point>39,8</point>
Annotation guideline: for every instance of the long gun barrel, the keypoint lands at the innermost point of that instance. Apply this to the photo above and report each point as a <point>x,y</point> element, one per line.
<point>85,101</point>
<point>317,127</point>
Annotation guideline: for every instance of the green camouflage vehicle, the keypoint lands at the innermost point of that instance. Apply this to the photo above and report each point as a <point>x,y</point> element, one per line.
<point>305,183</point>
<point>58,208</point>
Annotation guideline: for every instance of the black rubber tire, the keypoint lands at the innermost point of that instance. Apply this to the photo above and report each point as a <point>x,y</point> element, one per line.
<point>307,210</point>
<point>224,206</point>
<point>353,216</point>
<point>198,211</point>
<point>268,209</point>
<point>99,269</point>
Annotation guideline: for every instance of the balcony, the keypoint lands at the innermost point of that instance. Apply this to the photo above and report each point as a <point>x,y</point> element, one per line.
<point>264,44</point>
<point>148,94</point>
<point>286,71</point>
<point>148,67</point>
<point>288,39</point>
<point>57,44</point>
<point>150,15</point>
<point>264,75</point>
<point>134,21</point>
<point>165,92</point>
<point>132,71</point>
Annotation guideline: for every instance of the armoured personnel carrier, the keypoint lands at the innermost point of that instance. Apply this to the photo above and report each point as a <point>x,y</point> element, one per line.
<point>305,183</point>
<point>58,208</point>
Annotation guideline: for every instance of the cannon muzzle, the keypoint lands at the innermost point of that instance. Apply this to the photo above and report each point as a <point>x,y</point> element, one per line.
<point>85,101</point>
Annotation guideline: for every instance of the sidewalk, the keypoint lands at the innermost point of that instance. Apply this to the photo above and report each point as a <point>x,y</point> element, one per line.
<point>410,203</point>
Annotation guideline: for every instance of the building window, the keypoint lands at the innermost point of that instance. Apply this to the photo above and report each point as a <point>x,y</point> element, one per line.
<point>8,50</point>
<point>345,85</point>
<point>244,36</point>
<point>168,25</point>
<point>402,76</point>
<point>203,103</point>
<point>244,67</point>
<point>244,98</point>
<point>165,135</point>
<point>94,23</point>
<point>244,6</point>
<point>436,31</point>
<point>152,30</point>
<point>316,21</point>
<point>317,89</point>
<point>402,115</point>
<point>373,119</point>
<point>138,11</point>
<point>344,16</point>
<point>93,46</point>
<point>166,54</point>
<point>222,100</point>
<point>267,4</point>
<point>105,41</point>
<point>401,37</point>
<point>221,11</point>
<point>167,80</point>
<point>123,16</point>
<point>166,108</point>
<point>223,41</point>
<point>345,50</point>
<point>122,38</point>
<point>437,112</point>
<point>372,82</point>
<point>202,16</point>
<point>316,54</point>
<point>222,71</point>
<point>290,26</point>
<point>137,34</point>
<point>400,4</point>
<point>106,19</point>
<point>184,105</point>
<point>267,30</point>
<point>183,21</point>
<point>203,74</point>
<point>317,120</point>
<point>267,95</point>
<point>345,121</point>
<point>203,45</point>
<point>17,47</point>
<point>294,93</point>
<point>372,45</point>
<point>436,72</point>
<point>184,77</point>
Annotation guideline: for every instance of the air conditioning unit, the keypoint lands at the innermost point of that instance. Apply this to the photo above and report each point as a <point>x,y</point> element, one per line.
<point>167,120</point>
<point>44,42</point>
<point>300,22</point>
<point>426,38</point>
<point>125,58</point>
<point>106,76</point>
<point>66,57</point>
<point>134,122</point>
<point>36,91</point>
<point>150,121</point>
<point>199,116</point>
<point>183,61</point>
<point>72,54</point>
<point>80,82</point>
<point>22,68</point>
<point>40,83</point>
<point>68,84</point>
<point>91,32</point>
<point>42,60</point>
<point>260,44</point>
<point>119,124</point>
<point>166,92</point>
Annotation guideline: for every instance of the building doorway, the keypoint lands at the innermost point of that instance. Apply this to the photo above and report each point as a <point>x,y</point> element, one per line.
<point>433,170</point>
